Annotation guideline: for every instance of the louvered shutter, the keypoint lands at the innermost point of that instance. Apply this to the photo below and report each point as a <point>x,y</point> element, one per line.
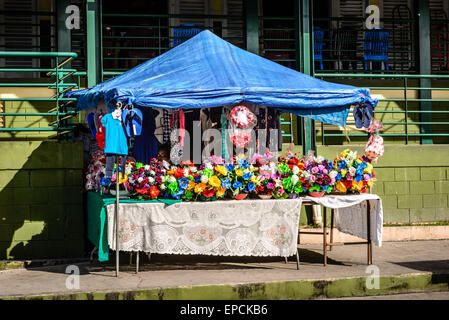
<point>402,37</point>
<point>21,34</point>
<point>235,25</point>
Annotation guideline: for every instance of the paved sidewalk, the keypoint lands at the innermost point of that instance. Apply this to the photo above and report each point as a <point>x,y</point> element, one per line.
<point>403,267</point>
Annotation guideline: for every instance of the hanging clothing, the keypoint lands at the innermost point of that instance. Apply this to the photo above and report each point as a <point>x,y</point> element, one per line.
<point>115,141</point>
<point>110,161</point>
<point>166,126</point>
<point>146,145</point>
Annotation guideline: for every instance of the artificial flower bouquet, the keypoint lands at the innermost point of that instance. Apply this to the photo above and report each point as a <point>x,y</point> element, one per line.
<point>290,170</point>
<point>95,171</point>
<point>148,181</point>
<point>319,175</point>
<point>355,173</point>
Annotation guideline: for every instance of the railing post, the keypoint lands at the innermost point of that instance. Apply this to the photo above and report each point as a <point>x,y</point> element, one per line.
<point>93,42</point>
<point>425,67</point>
<point>252,26</point>
<point>304,64</point>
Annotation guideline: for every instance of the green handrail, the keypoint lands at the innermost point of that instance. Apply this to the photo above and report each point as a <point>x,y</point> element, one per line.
<point>59,73</point>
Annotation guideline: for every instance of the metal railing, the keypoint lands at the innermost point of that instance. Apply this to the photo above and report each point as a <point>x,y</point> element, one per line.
<point>405,102</point>
<point>130,39</point>
<point>61,81</point>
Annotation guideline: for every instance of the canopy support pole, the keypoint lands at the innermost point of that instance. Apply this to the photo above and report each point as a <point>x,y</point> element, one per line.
<point>304,63</point>
<point>117,196</point>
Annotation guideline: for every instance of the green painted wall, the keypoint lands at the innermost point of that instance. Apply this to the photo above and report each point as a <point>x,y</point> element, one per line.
<point>41,200</point>
<point>413,182</point>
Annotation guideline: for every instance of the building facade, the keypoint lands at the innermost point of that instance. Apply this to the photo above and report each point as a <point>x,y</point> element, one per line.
<point>397,48</point>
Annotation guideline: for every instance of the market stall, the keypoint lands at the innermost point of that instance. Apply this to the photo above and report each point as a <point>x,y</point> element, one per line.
<point>222,87</point>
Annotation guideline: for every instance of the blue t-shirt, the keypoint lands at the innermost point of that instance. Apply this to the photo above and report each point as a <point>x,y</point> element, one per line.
<point>115,141</point>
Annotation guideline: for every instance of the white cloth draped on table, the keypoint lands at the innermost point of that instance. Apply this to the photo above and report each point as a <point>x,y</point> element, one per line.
<point>221,228</point>
<point>350,214</point>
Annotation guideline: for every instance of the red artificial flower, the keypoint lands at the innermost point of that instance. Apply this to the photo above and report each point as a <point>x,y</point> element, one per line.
<point>262,188</point>
<point>208,193</point>
<point>142,190</point>
<point>294,161</point>
<point>154,192</point>
<point>179,173</point>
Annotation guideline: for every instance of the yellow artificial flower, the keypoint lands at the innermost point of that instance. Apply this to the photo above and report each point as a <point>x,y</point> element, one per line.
<point>220,193</point>
<point>253,179</point>
<point>242,156</point>
<point>358,161</point>
<point>341,186</point>
<point>370,183</point>
<point>122,179</point>
<point>357,186</point>
<point>369,168</point>
<point>191,185</point>
<point>200,187</point>
<point>239,172</point>
<point>215,182</point>
<point>343,172</point>
<point>222,170</point>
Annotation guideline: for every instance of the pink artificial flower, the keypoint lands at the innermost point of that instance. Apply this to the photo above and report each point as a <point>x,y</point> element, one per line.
<point>312,178</point>
<point>315,170</point>
<point>367,177</point>
<point>349,177</point>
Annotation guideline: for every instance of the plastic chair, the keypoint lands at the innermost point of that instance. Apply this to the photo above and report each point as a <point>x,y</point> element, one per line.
<point>376,47</point>
<point>184,32</point>
<point>318,44</point>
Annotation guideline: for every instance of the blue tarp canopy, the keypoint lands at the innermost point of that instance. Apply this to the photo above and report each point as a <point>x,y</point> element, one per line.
<point>207,71</point>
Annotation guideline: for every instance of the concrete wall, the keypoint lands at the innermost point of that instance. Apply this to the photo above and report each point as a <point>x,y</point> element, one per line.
<point>41,202</point>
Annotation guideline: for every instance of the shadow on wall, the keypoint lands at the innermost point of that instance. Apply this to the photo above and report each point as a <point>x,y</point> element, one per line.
<point>41,200</point>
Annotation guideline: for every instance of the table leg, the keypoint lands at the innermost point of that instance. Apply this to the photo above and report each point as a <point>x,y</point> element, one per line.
<point>332,228</point>
<point>324,235</point>
<point>92,254</point>
<point>149,257</point>
<point>368,231</point>
<point>130,258</point>
<point>286,260</point>
<point>297,259</point>
<point>137,262</point>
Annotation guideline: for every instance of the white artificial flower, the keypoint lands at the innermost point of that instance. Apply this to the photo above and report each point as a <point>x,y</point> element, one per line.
<point>147,167</point>
<point>165,164</point>
<point>320,159</point>
<point>193,169</point>
<point>333,174</point>
<point>152,173</point>
<point>278,183</point>
<point>128,171</point>
<point>295,170</point>
<point>171,179</point>
<point>186,172</point>
<point>204,179</point>
<point>140,179</point>
<point>150,180</point>
<point>352,171</point>
<point>209,165</point>
<point>306,174</point>
<point>295,179</point>
<point>162,187</point>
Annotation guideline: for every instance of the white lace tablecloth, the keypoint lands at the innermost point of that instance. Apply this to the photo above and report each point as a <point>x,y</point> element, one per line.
<point>350,214</point>
<point>221,228</point>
